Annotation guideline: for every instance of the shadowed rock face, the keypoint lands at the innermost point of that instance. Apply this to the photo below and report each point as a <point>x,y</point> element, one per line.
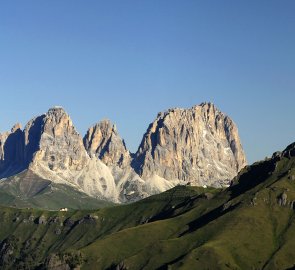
<point>62,158</point>
<point>52,149</point>
<point>200,145</point>
<point>103,141</point>
<point>11,152</point>
<point>50,140</point>
<point>32,136</point>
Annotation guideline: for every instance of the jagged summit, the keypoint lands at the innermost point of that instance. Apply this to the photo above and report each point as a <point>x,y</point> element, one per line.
<point>16,127</point>
<point>250,225</point>
<point>200,146</point>
<point>103,141</point>
<point>56,108</point>
<point>205,107</point>
<point>56,111</point>
<point>197,145</point>
<point>206,104</point>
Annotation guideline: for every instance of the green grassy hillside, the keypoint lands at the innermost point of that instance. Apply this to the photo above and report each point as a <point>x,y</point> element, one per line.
<point>247,226</point>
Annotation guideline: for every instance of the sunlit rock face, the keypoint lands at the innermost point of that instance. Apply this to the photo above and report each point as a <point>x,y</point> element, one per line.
<point>56,152</point>
<point>60,146</point>
<point>200,145</point>
<point>103,141</point>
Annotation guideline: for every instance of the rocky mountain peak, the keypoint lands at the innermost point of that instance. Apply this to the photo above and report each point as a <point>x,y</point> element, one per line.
<point>197,145</point>
<point>200,146</point>
<point>57,122</point>
<point>103,141</point>
<point>60,145</point>
<point>57,110</point>
<point>16,127</point>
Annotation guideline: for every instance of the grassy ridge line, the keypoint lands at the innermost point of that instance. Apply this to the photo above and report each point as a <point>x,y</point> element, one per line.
<point>32,242</point>
<point>257,234</point>
<point>247,226</point>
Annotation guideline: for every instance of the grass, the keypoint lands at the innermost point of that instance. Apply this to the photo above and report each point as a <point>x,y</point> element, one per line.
<point>242,227</point>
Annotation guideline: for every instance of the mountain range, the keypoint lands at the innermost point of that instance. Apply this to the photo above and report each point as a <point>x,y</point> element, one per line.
<point>197,204</point>
<point>249,225</point>
<point>199,146</point>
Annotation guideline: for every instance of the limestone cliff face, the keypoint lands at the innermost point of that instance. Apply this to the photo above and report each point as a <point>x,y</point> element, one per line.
<point>57,153</point>
<point>11,151</point>
<point>60,146</point>
<point>103,141</point>
<point>200,145</point>
<point>3,137</point>
<point>50,147</point>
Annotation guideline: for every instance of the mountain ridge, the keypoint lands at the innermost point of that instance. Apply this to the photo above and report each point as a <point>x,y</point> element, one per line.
<point>249,225</point>
<point>197,146</point>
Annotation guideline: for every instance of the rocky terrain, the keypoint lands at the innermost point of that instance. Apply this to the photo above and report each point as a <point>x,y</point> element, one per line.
<point>197,146</point>
<point>249,225</point>
<point>103,141</point>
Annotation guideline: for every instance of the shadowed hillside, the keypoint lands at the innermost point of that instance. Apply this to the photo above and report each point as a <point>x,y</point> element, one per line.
<point>29,190</point>
<point>250,225</point>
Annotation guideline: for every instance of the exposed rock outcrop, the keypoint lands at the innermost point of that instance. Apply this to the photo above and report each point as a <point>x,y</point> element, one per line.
<point>103,141</point>
<point>59,155</point>
<point>200,145</point>
<point>3,138</point>
<point>60,146</point>
<point>7,252</point>
<point>282,200</point>
<point>51,148</point>
<point>41,220</point>
<point>11,151</point>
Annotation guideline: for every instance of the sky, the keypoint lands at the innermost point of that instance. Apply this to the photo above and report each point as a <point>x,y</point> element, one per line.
<point>128,60</point>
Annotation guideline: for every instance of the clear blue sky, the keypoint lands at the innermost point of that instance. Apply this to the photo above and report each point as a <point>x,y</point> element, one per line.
<point>128,60</point>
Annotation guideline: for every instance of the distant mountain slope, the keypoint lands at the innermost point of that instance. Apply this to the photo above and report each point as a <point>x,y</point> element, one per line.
<point>199,146</point>
<point>249,225</point>
<point>29,190</point>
